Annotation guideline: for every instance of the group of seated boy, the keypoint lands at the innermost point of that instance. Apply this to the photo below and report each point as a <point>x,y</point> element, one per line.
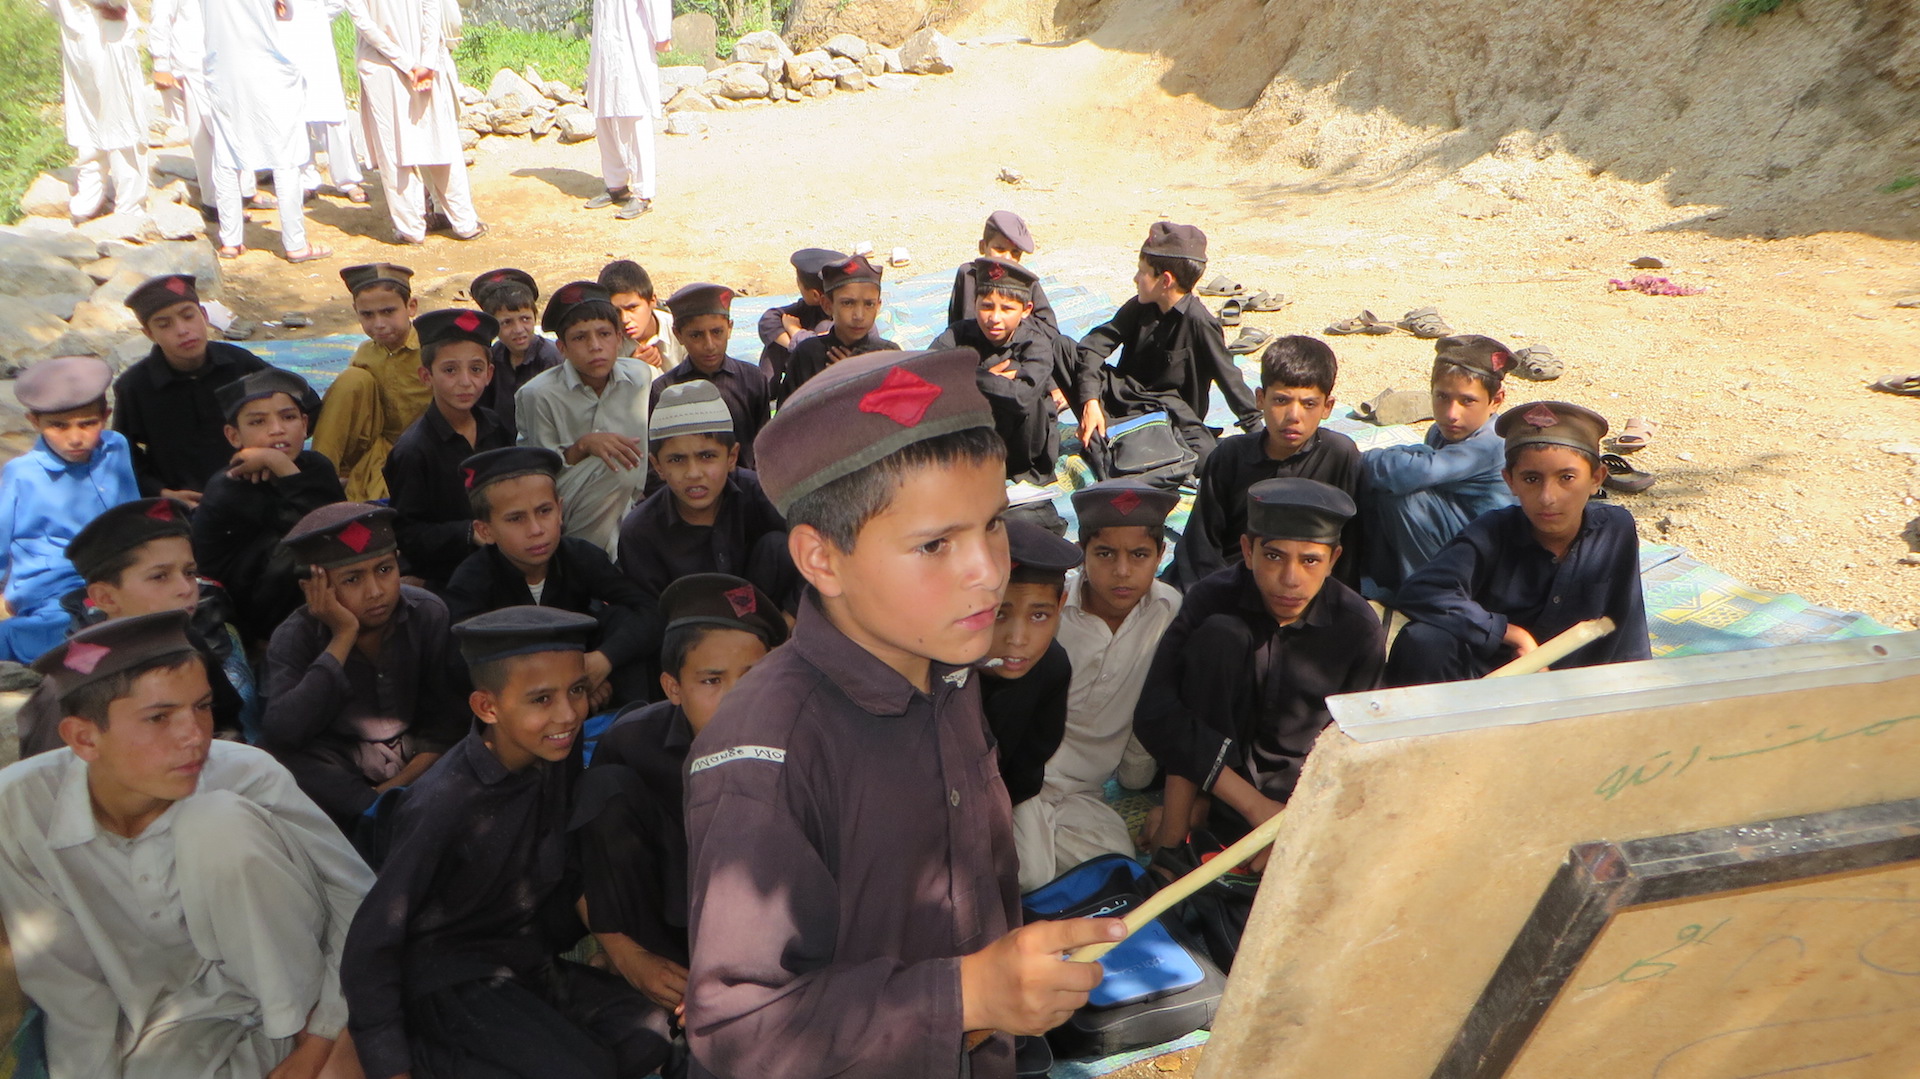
<point>359,715</point>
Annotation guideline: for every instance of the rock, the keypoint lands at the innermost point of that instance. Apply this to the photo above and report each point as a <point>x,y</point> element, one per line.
<point>689,100</point>
<point>687,123</point>
<point>64,244</point>
<point>874,64</point>
<point>742,80</point>
<point>46,196</point>
<point>574,122</point>
<point>847,45</point>
<point>840,65</point>
<point>31,334</point>
<point>533,77</point>
<point>1900,449</point>
<point>296,320</point>
<point>812,21</point>
<point>773,70</point>
<point>794,94</point>
<point>173,221</point>
<point>60,307</point>
<point>128,226</point>
<point>819,88</point>
<point>1648,262</point>
<point>509,90</point>
<point>1910,301</point>
<point>854,80</point>
<point>469,138</point>
<point>110,318</point>
<point>511,121</point>
<point>728,104</point>
<point>891,82</point>
<point>118,287</point>
<point>542,122</point>
<point>173,192</point>
<point>892,57</point>
<point>760,46</point>
<point>799,71</point>
<point>476,120</point>
<point>239,330</point>
<point>928,52</point>
<point>470,96</point>
<point>29,273</point>
<point>194,257</point>
<point>695,32</point>
<point>673,78</point>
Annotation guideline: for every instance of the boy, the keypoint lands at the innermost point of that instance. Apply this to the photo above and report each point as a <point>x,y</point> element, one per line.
<point>524,561</point>
<point>362,678</point>
<point>1005,237</point>
<point>1518,576</point>
<point>1020,362</point>
<point>1110,623</point>
<point>1024,692</point>
<point>380,393</point>
<point>1238,690</point>
<point>708,516</point>
<point>703,324</point>
<point>852,290</point>
<point>630,813</point>
<point>76,470</point>
<point>1295,396</point>
<point>624,85</point>
<point>593,410</point>
<point>136,559</point>
<point>512,298</point>
<point>649,333</point>
<point>1419,497</point>
<point>853,883</point>
<point>1171,348</point>
<point>453,966</point>
<point>267,487</point>
<point>174,903</point>
<point>423,471</point>
<point>167,403</point>
<point>783,328</point>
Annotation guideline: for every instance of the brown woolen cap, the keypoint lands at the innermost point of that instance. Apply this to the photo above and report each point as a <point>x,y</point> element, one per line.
<point>695,300</point>
<point>1009,224</point>
<point>121,529</point>
<point>1552,423</point>
<point>369,273</point>
<point>159,292</point>
<point>1475,353</point>
<point>342,534</point>
<point>1002,275</point>
<point>1169,240</point>
<point>104,650</point>
<point>495,278</point>
<point>1121,503</point>
<point>719,599</point>
<point>63,384</point>
<point>855,268</point>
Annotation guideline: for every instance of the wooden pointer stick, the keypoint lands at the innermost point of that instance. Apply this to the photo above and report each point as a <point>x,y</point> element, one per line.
<point>1558,648</point>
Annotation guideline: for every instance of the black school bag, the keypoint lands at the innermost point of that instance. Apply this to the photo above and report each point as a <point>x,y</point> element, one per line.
<point>1217,913</point>
<point>1159,983</point>
<point>1145,448</point>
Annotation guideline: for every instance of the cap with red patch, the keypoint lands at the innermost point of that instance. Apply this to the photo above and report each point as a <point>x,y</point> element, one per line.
<point>720,599</point>
<point>63,384</point>
<point>571,295</point>
<point>158,293</point>
<point>853,268</point>
<point>367,274</point>
<point>703,298</point>
<point>1552,423</point>
<point>862,409</point>
<point>495,278</point>
<point>1002,275</point>
<point>104,650</point>
<point>456,324</point>
<point>96,547</point>
<point>1476,353</point>
<point>342,534</point>
<point>1120,504</point>
<point>509,462</point>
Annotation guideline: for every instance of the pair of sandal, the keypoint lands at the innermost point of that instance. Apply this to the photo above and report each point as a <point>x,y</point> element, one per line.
<point>1422,322</point>
<point>311,254</point>
<point>1634,437</point>
<point>1231,311</point>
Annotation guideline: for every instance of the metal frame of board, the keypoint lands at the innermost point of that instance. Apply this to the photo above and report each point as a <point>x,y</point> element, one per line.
<point>1602,879</point>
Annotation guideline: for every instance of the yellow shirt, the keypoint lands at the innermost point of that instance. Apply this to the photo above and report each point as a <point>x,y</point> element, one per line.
<point>367,408</point>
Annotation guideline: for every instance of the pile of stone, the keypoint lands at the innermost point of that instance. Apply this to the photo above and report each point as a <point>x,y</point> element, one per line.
<point>766,69</point>
<point>521,103</point>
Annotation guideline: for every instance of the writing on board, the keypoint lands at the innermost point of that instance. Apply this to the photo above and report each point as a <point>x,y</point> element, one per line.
<point>1671,764</point>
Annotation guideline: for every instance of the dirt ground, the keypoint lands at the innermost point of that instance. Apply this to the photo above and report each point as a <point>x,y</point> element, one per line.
<point>1775,462</point>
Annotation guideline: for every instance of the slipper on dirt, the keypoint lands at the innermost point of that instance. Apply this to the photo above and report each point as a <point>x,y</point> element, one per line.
<point>1220,286</point>
<point>1907,385</point>
<point>1264,301</point>
<point>1251,338</point>
<point>1537,363</point>
<point>1365,322</point>
<point>231,252</point>
<point>1634,436</point>
<point>1392,407</point>
<point>312,254</point>
<point>1425,323</point>
<point>1623,477</point>
<point>1230,313</point>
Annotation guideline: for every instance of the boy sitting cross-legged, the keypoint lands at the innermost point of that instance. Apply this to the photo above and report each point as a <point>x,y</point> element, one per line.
<point>1021,361</point>
<point>363,680</point>
<point>1518,576</point>
<point>453,965</point>
<point>174,902</point>
<point>708,515</point>
<point>649,332</point>
<point>423,471</point>
<point>380,394</point>
<point>525,561</point>
<point>76,470</point>
<point>853,886</point>
<point>852,290</point>
<point>512,297</point>
<point>783,328</point>
<point>703,323</point>
<point>1005,237</point>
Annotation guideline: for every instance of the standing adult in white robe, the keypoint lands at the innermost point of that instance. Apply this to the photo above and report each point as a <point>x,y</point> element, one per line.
<point>105,94</point>
<point>623,88</point>
<point>255,95</point>
<point>307,37</point>
<point>408,109</point>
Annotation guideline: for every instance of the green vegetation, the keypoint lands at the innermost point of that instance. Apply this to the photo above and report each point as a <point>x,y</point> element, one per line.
<point>343,45</point>
<point>1901,183</point>
<point>679,58</point>
<point>736,19</point>
<point>1743,12</point>
<point>32,131</point>
<point>487,48</point>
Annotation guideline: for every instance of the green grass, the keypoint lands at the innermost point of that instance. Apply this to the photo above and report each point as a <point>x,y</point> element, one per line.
<point>488,48</point>
<point>32,130</point>
<point>1744,12</point>
<point>678,58</point>
<point>343,45</point>
<point>1900,183</point>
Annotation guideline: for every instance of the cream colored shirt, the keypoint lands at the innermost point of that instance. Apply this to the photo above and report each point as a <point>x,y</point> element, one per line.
<point>1108,670</point>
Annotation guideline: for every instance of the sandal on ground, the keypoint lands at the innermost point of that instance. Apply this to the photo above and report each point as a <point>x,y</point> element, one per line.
<point>1220,286</point>
<point>404,240</point>
<point>1907,385</point>
<point>1230,313</point>
<point>437,221</point>
<point>261,200</point>
<point>1425,323</point>
<point>1393,407</point>
<point>355,194</point>
<point>1634,436</point>
<point>1623,477</point>
<point>635,207</point>
<point>607,198</point>
<point>1250,339</point>
<point>311,254</point>
<point>1537,363</point>
<point>478,231</point>
<point>1365,322</point>
<point>1264,301</point>
<point>231,253</point>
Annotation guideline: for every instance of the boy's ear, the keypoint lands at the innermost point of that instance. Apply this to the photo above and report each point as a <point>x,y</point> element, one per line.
<point>105,596</point>
<point>485,706</point>
<point>482,531</point>
<point>146,333</point>
<point>233,435</point>
<point>1246,549</point>
<point>671,686</point>
<point>83,736</point>
<point>817,559</point>
<point>1499,397</point>
<point>733,456</point>
<point>1334,559</point>
<point>426,374</point>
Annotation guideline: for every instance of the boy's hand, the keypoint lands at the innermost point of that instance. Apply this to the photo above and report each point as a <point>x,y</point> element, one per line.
<point>599,670</point>
<point>422,79</point>
<point>1022,984</point>
<point>1521,641</point>
<point>164,80</point>
<point>258,464</point>
<point>1093,422</point>
<point>649,353</point>
<point>1004,369</point>
<point>191,498</point>
<point>622,454</point>
<point>325,606</point>
<point>836,353</point>
<point>661,980</point>
<point>309,1055</point>
<point>662,46</point>
<point>409,772</point>
<point>1059,400</point>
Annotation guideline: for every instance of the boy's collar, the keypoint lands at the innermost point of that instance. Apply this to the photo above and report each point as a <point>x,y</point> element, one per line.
<point>73,822</point>
<point>868,682</point>
<point>54,463</point>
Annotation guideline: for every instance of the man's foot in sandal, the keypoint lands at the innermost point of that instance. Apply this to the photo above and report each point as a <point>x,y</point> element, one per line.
<point>478,231</point>
<point>1907,385</point>
<point>232,252</point>
<point>355,194</point>
<point>1264,301</point>
<point>1623,477</point>
<point>1365,322</point>
<point>1230,313</point>
<point>1220,286</point>
<point>311,254</point>
<point>1537,363</point>
<point>633,208</point>
<point>1425,323</point>
<point>609,197</point>
<point>1634,436</point>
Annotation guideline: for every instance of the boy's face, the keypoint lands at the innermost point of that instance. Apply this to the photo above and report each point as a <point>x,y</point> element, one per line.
<point>370,589</point>
<point>1000,315</point>
<point>274,422</point>
<point>1288,573</point>
<point>924,578</point>
<point>537,715</point>
<point>1121,563</point>
<point>524,522</point>
<point>460,371</point>
<point>591,346</point>
<point>695,467</point>
<point>163,577</point>
<point>1553,484</point>
<point>1462,406</point>
<point>181,332</point>
<point>516,328</point>
<point>155,742</point>
<point>636,314</point>
<point>856,307</point>
<point>998,246</point>
<point>711,670</point>
<point>1293,414</point>
<point>705,339</point>
<point>73,435</point>
<point>1029,616</point>
<point>1152,288</point>
<point>810,292</point>
<point>384,316</point>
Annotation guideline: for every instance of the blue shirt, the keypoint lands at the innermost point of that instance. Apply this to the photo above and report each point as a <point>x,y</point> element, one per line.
<point>44,501</point>
<point>1467,472</point>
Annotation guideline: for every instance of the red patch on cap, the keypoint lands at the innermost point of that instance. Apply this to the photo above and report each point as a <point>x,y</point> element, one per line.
<point>1499,361</point>
<point>853,266</point>
<point>356,536</point>
<point>902,397</point>
<point>742,600</point>
<point>177,285</point>
<point>161,510</point>
<point>1126,502</point>
<point>570,294</point>
<point>84,657</point>
<point>995,271</point>
<point>468,473</point>
<point>467,321</point>
<point>1541,416</point>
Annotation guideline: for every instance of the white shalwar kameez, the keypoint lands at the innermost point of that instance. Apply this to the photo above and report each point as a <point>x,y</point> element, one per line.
<point>412,137</point>
<point>105,94</point>
<point>623,88</point>
<point>254,95</point>
<point>307,38</point>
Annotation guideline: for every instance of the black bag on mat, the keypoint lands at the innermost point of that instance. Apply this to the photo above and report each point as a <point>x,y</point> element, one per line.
<point>1146,448</point>
<point>1159,983</point>
<point>1217,913</point>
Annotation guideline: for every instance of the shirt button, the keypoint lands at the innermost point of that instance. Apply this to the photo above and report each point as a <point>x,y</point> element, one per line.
<point>953,798</point>
<point>144,878</point>
<point>1556,599</point>
<point>155,914</point>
